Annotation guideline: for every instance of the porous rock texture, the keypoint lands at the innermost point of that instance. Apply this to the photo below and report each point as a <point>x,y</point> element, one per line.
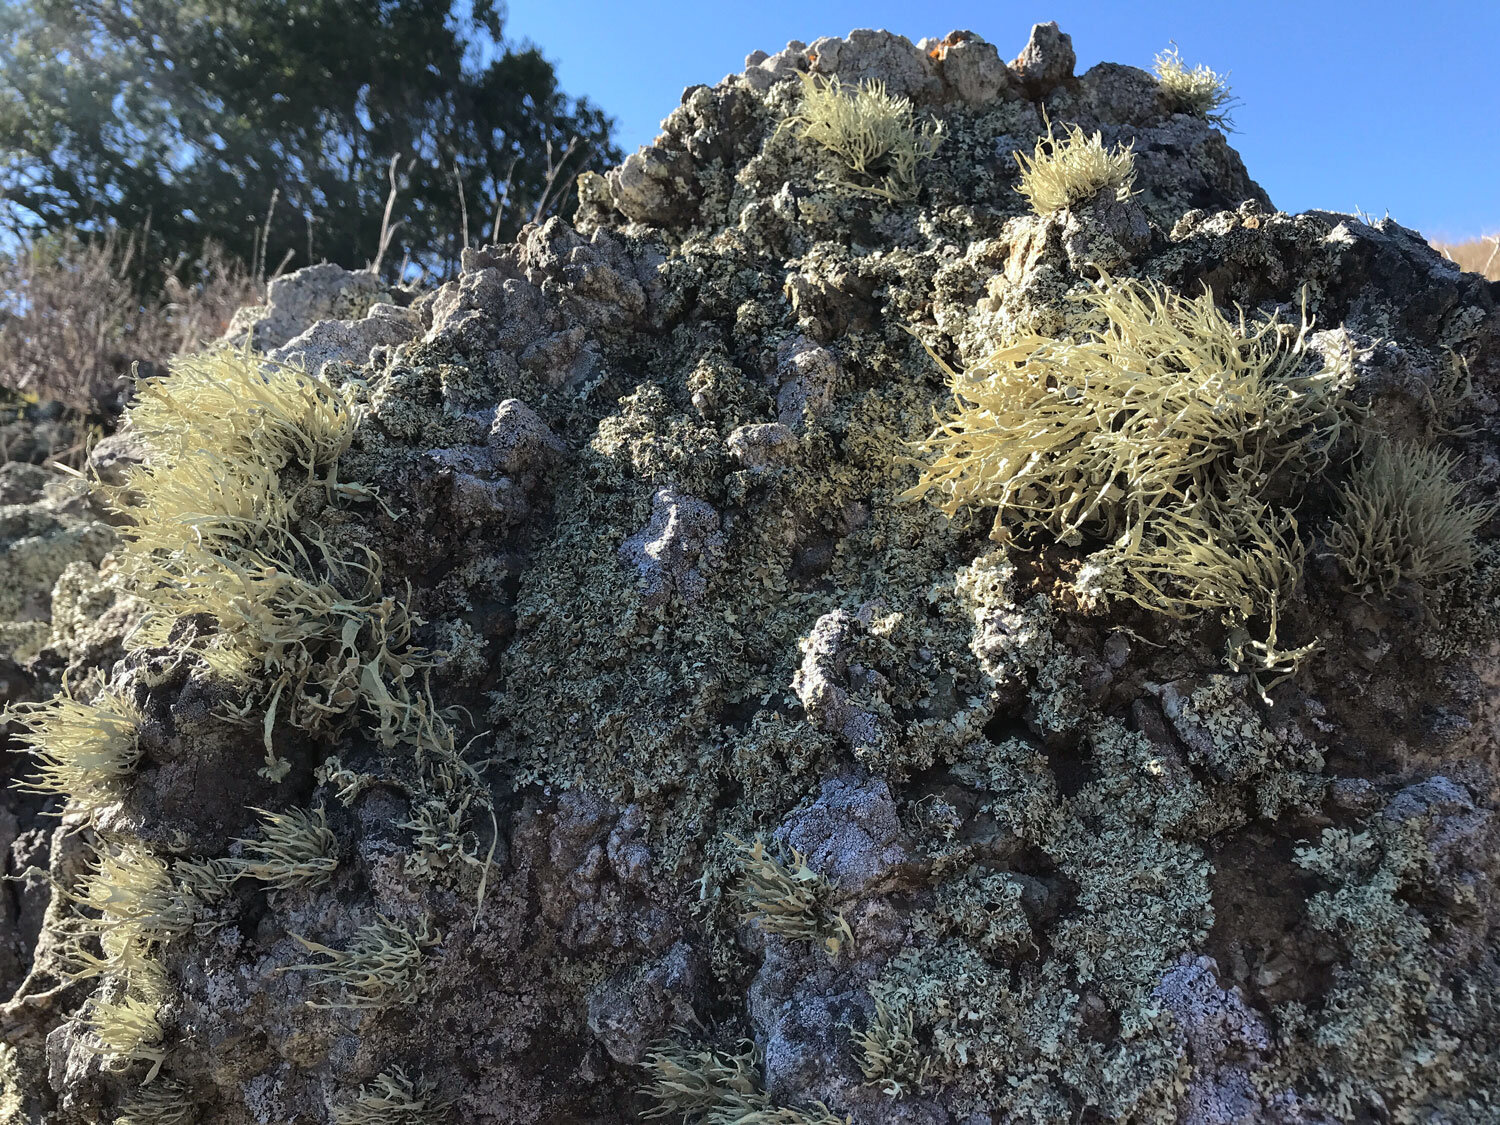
<point>642,476</point>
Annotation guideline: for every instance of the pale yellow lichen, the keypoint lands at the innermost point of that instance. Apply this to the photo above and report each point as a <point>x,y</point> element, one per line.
<point>718,1088</point>
<point>1200,91</point>
<point>873,134</point>
<point>1063,172</point>
<point>793,901</point>
<point>86,752</point>
<point>297,849</point>
<point>889,1053</point>
<point>382,965</point>
<point>1400,519</point>
<point>392,1098</point>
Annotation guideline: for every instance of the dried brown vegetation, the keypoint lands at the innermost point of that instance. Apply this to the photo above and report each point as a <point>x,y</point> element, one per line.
<point>1478,255</point>
<point>74,317</point>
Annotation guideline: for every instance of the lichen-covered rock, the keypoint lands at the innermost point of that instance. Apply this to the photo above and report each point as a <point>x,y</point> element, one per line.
<point>970,66</point>
<point>673,554</point>
<point>693,737</point>
<point>46,524</point>
<point>303,299</point>
<point>1046,61</point>
<point>351,341</point>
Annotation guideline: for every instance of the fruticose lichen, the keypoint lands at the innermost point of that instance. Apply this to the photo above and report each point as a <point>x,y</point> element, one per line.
<point>1199,91</point>
<point>1400,518</point>
<point>874,134</point>
<point>1061,172</point>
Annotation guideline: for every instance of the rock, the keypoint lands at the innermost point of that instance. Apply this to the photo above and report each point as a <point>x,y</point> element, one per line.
<point>866,55</point>
<point>351,342</point>
<point>674,553</point>
<point>114,457</point>
<point>638,1007</point>
<point>301,300</point>
<point>972,67</point>
<point>1224,1039</point>
<point>762,447</point>
<point>1046,61</point>
<point>624,558</point>
<point>851,835</point>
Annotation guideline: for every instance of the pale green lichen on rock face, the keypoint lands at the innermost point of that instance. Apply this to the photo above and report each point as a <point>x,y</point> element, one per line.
<point>1401,519</point>
<point>1199,90</point>
<point>1061,172</point>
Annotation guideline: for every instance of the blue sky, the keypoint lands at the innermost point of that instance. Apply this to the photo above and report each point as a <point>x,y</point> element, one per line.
<point>1377,105</point>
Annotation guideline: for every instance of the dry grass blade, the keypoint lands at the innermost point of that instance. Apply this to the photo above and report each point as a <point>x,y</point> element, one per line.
<point>1478,255</point>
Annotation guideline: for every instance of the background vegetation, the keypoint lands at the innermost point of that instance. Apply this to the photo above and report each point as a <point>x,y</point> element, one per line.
<point>274,130</point>
<point>159,159</point>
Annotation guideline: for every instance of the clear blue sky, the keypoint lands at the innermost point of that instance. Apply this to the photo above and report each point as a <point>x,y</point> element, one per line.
<point>1379,105</point>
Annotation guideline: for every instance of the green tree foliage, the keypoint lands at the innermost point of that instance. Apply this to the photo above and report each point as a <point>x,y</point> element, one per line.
<point>191,117</point>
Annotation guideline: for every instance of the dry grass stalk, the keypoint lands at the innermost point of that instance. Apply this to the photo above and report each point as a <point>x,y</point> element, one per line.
<point>73,321</point>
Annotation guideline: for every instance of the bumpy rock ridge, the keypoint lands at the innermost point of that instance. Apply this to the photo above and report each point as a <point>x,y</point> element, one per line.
<point>642,476</point>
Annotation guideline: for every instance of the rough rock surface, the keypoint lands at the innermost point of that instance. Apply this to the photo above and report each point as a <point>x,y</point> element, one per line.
<point>47,526</point>
<point>339,307</point>
<point>641,481</point>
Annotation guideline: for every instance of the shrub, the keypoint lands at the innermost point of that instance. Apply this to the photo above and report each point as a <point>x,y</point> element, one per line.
<point>873,133</point>
<point>1199,92</point>
<point>1399,519</point>
<point>1063,173</point>
<point>73,319</point>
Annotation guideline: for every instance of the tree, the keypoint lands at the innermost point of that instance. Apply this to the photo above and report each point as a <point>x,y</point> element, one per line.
<point>275,128</point>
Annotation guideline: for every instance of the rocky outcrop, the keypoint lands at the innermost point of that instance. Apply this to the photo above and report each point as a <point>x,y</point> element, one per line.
<point>637,484</point>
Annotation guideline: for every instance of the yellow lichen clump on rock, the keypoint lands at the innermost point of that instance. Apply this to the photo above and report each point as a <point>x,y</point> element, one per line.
<point>1175,433</point>
<point>308,629</point>
<point>1400,519</point>
<point>1063,172</point>
<point>874,134</point>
